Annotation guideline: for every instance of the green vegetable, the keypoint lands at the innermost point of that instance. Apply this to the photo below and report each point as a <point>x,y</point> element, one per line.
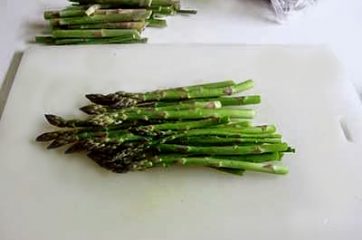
<point>187,126</point>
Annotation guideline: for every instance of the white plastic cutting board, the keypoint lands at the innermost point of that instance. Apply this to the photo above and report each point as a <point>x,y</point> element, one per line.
<point>48,195</point>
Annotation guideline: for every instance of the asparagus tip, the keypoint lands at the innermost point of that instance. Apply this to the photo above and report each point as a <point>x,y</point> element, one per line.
<point>45,137</point>
<point>52,119</point>
<point>55,144</point>
<point>76,147</point>
<point>92,109</point>
<point>93,97</point>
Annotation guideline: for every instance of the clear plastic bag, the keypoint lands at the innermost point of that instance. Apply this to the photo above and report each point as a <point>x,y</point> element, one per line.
<point>284,8</point>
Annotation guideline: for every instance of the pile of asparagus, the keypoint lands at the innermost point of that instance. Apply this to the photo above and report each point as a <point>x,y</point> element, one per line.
<point>107,21</point>
<point>200,125</point>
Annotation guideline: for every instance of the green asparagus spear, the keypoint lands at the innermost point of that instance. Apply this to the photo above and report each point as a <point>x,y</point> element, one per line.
<point>130,99</point>
<point>98,109</point>
<point>114,117</point>
<point>213,162</point>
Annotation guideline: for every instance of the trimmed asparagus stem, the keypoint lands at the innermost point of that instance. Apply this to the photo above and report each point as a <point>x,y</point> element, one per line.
<point>122,16</point>
<point>126,33</point>
<point>139,26</point>
<point>66,13</point>
<point>115,40</point>
<point>163,11</point>
<point>156,22</point>
<point>165,3</point>
<point>129,3</point>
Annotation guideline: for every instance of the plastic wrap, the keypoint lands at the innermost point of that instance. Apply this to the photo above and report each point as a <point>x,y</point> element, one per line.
<point>285,8</point>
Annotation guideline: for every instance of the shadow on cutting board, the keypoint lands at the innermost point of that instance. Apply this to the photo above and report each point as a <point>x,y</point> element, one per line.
<point>9,79</point>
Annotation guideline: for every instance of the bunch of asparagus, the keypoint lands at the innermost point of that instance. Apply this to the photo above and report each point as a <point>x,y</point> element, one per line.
<point>195,125</point>
<point>107,21</point>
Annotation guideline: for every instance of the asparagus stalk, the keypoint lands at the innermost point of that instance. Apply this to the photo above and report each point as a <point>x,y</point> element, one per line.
<point>124,99</point>
<point>67,41</point>
<point>226,83</point>
<point>120,16</point>
<point>114,118</point>
<point>166,3</point>
<point>102,33</point>
<point>195,93</point>
<point>256,158</point>
<point>113,40</point>
<point>45,40</point>
<point>224,150</point>
<point>140,114</point>
<point>164,11</point>
<point>235,123</point>
<point>66,13</point>
<point>224,141</point>
<point>229,132</point>
<point>139,26</point>
<point>187,125</point>
<point>156,22</point>
<point>213,162</point>
<point>128,3</point>
<point>237,101</point>
<point>75,12</point>
<point>225,101</point>
<point>94,109</point>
